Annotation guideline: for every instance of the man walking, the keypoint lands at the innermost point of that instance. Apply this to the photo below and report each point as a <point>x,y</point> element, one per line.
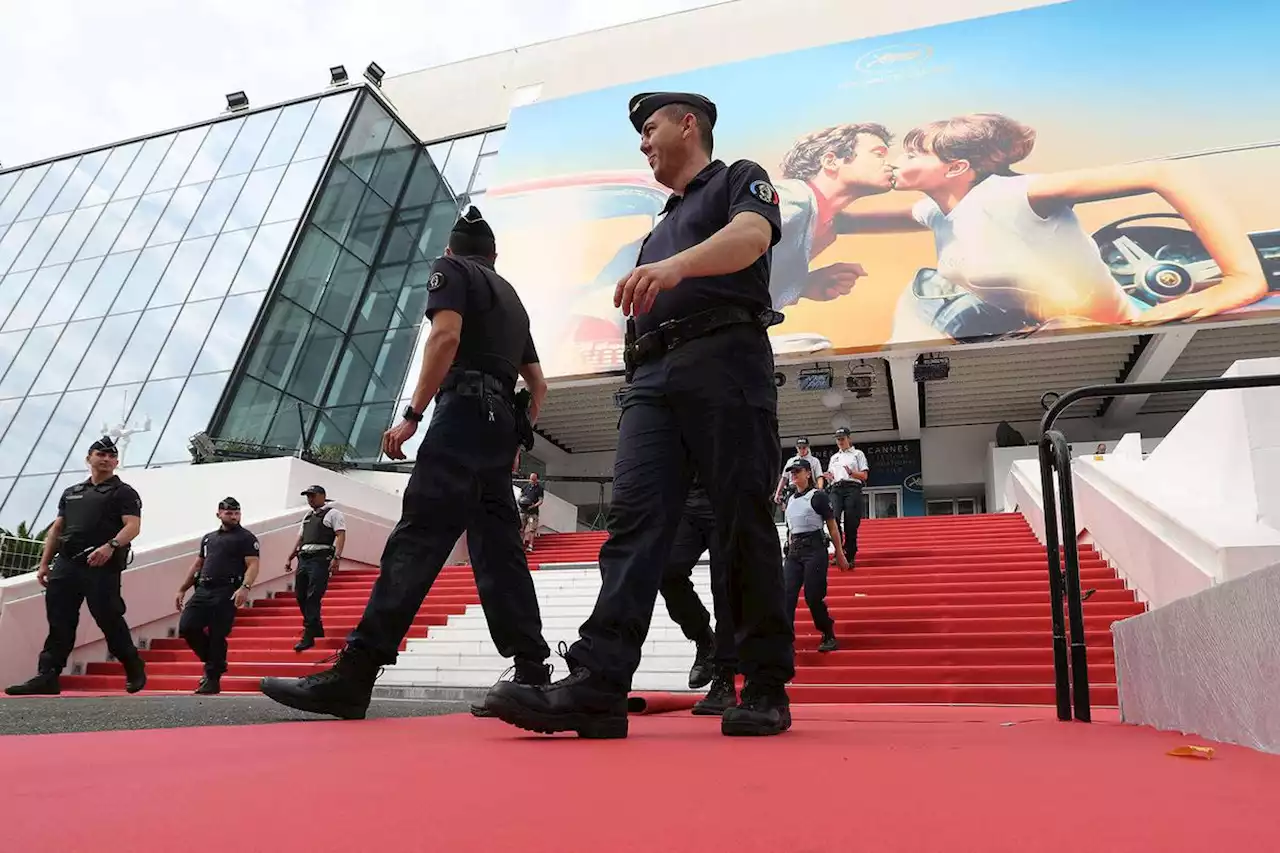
<point>321,539</point>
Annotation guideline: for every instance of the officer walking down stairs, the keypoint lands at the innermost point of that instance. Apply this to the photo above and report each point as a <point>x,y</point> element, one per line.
<point>701,398</point>
<point>808,511</point>
<point>319,551</point>
<point>461,481</point>
<point>97,519</point>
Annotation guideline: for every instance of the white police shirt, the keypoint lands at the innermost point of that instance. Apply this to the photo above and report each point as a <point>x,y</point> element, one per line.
<point>853,457</point>
<point>815,467</point>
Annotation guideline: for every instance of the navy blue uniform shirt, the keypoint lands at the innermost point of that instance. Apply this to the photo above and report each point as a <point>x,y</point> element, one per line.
<point>224,552</point>
<point>711,200</point>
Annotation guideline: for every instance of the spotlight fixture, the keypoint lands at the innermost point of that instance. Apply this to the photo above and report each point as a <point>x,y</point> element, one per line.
<point>374,74</point>
<point>338,76</point>
<point>237,101</point>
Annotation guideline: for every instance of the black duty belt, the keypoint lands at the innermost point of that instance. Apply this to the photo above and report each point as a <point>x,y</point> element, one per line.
<point>847,484</point>
<point>653,345</point>
<point>474,383</point>
<point>219,583</point>
<point>807,537</point>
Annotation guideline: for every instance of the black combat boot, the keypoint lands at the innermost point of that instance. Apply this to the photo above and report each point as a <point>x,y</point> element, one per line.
<point>829,642</point>
<point>703,670</point>
<point>305,643</point>
<point>764,710</point>
<point>135,675</point>
<point>722,696</point>
<point>210,685</point>
<point>579,703</point>
<point>342,691</point>
<point>44,684</point>
<point>527,672</point>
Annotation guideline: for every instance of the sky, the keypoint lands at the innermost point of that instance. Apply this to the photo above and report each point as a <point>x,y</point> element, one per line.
<point>79,74</point>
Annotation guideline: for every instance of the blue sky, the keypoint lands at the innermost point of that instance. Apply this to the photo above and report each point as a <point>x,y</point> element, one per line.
<point>1103,81</point>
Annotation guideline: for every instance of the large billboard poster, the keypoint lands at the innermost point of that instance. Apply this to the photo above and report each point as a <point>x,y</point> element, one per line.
<point>1085,166</point>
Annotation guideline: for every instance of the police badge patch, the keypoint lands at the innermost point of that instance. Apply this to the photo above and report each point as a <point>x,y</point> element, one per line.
<point>436,281</point>
<point>764,191</point>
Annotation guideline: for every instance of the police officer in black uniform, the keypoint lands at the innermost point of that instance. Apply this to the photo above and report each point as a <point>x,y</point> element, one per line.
<point>701,398</point>
<point>461,481</point>
<point>223,574</point>
<point>319,551</point>
<point>97,519</point>
<point>715,661</point>
<point>808,511</point>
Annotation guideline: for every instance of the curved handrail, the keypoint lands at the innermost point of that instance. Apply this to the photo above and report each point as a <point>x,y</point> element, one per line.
<point>1071,687</point>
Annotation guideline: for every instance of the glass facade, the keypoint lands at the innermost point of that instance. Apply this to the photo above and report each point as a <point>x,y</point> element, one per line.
<point>339,343</point>
<point>131,277</point>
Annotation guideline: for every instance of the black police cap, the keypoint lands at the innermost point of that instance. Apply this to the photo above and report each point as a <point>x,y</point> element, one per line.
<point>106,445</point>
<point>646,104</point>
<point>843,432</point>
<point>802,442</point>
<point>800,465</point>
<point>472,224</point>
<point>229,503</point>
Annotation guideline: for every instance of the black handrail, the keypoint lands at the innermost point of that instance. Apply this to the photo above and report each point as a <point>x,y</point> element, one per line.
<point>1071,690</point>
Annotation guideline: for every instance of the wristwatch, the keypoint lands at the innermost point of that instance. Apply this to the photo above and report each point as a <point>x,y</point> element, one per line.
<point>411,415</point>
<point>115,544</point>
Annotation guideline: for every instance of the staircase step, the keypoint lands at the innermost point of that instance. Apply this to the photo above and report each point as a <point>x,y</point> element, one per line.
<point>1006,674</point>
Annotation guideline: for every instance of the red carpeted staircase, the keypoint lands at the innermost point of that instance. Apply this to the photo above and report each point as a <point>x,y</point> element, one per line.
<point>950,609</point>
<point>953,609</point>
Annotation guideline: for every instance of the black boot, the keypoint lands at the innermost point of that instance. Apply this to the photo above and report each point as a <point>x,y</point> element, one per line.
<point>305,643</point>
<point>44,684</point>
<point>764,710</point>
<point>722,696</point>
<point>527,672</point>
<point>703,670</point>
<point>209,685</point>
<point>829,642</point>
<point>135,675</point>
<point>579,703</point>
<point>342,691</point>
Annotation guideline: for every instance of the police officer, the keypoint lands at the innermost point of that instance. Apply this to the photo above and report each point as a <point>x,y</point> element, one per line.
<point>701,398</point>
<point>461,480</point>
<point>223,573</point>
<point>715,661</point>
<point>802,454</point>
<point>321,539</point>
<point>808,511</point>
<point>847,475</point>
<point>97,519</point>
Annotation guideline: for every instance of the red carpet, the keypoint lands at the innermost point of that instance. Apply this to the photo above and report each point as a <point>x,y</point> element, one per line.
<point>883,779</point>
<point>940,609</point>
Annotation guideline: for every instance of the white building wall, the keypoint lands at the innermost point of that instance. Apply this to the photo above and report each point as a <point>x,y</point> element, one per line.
<point>429,101</point>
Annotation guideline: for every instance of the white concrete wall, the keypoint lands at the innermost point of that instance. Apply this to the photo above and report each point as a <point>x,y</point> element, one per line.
<point>1001,459</point>
<point>1197,511</point>
<point>429,100</point>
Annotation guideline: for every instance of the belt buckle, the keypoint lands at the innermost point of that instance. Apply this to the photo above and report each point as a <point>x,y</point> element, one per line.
<point>669,334</point>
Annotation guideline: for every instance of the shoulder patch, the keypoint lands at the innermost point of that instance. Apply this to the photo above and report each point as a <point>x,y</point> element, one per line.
<point>436,281</point>
<point>764,191</point>
<point>255,545</point>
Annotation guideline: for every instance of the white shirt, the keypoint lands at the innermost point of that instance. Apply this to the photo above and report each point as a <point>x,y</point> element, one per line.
<point>996,247</point>
<point>853,457</point>
<point>815,467</point>
<point>789,268</point>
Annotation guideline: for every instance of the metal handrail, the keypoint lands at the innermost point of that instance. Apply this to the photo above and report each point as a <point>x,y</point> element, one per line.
<point>1071,689</point>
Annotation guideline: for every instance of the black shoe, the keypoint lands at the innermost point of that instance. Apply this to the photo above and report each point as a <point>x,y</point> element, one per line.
<point>829,643</point>
<point>532,674</point>
<point>305,643</point>
<point>44,684</point>
<point>342,691</point>
<point>764,710</point>
<point>578,703</point>
<point>722,696</point>
<point>703,670</point>
<point>135,675</point>
<point>209,685</point>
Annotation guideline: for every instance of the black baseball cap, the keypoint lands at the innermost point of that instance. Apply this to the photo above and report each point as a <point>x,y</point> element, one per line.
<point>314,490</point>
<point>843,432</point>
<point>800,465</point>
<point>802,442</point>
<point>229,503</point>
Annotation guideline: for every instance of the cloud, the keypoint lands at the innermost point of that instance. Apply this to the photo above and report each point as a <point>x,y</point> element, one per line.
<point>80,75</point>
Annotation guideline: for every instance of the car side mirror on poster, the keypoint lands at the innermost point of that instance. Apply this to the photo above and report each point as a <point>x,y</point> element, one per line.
<point>929,284</point>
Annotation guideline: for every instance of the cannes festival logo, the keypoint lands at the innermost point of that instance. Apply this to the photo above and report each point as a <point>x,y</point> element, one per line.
<point>893,63</point>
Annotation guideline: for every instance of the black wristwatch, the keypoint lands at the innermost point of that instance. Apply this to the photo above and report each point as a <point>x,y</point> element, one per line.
<point>411,415</point>
<point>115,544</point>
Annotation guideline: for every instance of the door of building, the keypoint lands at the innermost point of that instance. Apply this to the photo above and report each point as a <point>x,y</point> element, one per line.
<point>882,502</point>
